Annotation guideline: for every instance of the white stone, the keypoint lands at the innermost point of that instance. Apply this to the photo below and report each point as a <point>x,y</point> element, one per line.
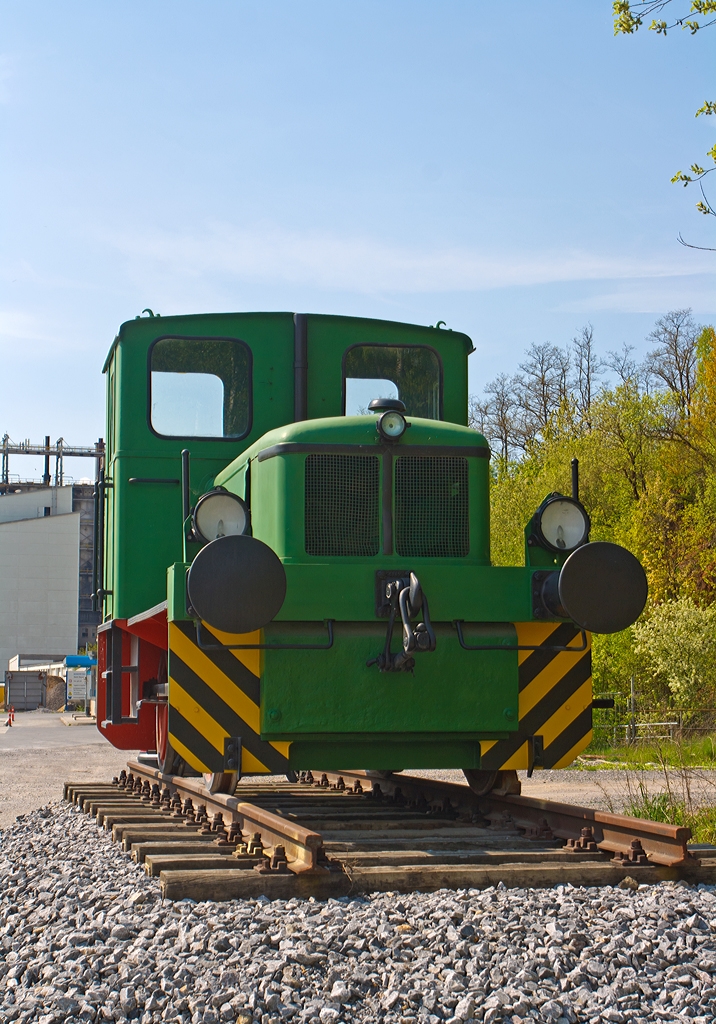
<point>328,1015</point>
<point>465,1008</point>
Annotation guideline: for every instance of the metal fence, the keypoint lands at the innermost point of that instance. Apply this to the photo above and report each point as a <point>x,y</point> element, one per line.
<point>628,722</point>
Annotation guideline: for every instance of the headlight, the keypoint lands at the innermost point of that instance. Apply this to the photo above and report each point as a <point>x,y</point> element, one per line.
<point>220,514</point>
<point>563,523</point>
<point>391,425</point>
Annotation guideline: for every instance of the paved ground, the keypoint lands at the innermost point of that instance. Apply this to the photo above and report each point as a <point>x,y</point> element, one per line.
<point>35,730</point>
<point>39,753</point>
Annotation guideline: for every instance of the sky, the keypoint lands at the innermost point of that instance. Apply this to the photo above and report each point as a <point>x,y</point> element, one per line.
<point>501,167</point>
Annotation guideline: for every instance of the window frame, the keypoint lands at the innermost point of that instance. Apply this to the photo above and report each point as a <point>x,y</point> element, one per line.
<point>374,344</point>
<point>201,437</point>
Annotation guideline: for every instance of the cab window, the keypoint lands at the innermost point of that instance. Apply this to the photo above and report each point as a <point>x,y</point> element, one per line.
<point>200,387</point>
<point>412,373</point>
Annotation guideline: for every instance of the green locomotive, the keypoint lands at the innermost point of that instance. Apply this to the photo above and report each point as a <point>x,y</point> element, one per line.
<point>294,560</point>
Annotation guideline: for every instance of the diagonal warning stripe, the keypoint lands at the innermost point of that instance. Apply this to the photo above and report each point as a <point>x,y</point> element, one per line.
<point>250,659</point>
<point>212,695</point>
<point>209,672</point>
<point>192,712</point>
<point>549,678</point>
<point>555,700</point>
<point>566,713</point>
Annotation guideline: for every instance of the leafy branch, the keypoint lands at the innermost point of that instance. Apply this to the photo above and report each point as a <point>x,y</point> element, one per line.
<point>629,17</point>
<point>697,175</point>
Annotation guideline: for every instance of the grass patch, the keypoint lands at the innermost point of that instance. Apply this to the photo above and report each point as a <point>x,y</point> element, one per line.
<point>677,790</point>
<point>668,808</point>
<point>687,753</point>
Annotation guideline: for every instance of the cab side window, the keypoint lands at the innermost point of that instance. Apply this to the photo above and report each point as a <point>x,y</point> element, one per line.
<point>200,387</point>
<point>412,373</point>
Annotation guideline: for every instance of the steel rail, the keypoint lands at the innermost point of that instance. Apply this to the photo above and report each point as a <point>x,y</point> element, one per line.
<point>662,844</point>
<point>617,834</point>
<point>303,846</point>
<point>371,834</point>
<point>613,833</point>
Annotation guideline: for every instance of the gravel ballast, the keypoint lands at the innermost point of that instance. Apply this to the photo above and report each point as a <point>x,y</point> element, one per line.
<point>86,936</point>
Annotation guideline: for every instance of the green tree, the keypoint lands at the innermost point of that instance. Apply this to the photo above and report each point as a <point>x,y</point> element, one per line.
<point>677,642</point>
<point>647,452</point>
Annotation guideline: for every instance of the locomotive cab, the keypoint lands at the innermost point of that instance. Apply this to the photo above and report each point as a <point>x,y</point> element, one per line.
<point>295,568</point>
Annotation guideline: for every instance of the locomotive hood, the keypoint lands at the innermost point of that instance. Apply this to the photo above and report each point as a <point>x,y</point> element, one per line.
<point>351,430</point>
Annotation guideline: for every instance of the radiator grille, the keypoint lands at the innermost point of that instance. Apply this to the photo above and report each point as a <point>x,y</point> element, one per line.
<point>431,507</point>
<point>342,505</point>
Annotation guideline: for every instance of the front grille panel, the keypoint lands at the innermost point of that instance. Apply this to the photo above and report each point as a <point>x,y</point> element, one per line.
<point>431,507</point>
<point>342,505</point>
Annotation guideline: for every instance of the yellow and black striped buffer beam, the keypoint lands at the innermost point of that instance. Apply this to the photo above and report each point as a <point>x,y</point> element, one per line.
<point>555,700</point>
<point>215,694</point>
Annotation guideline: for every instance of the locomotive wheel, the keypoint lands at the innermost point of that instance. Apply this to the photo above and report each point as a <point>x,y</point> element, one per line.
<point>501,783</point>
<point>221,782</point>
<point>169,762</point>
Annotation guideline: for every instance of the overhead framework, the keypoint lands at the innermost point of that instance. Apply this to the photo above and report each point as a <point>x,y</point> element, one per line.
<point>59,451</point>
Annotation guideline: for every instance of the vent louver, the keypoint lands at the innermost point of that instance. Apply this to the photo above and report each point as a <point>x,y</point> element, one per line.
<point>431,507</point>
<point>342,505</point>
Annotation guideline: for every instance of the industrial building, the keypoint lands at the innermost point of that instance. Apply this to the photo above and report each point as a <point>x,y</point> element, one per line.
<point>46,562</point>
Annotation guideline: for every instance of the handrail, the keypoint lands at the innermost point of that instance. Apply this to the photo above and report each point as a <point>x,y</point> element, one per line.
<point>458,624</point>
<point>266,647</point>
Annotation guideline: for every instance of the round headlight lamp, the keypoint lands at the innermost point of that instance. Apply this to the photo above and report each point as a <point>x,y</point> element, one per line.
<point>391,421</point>
<point>391,425</point>
<point>563,523</point>
<point>220,514</point>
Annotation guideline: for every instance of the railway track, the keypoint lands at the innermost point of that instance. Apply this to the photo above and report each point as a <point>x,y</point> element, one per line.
<point>340,833</point>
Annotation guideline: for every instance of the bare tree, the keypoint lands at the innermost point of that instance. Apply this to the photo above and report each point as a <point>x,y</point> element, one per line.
<point>504,415</point>
<point>478,415</point>
<point>587,367</point>
<point>672,361</point>
<point>629,372</point>
<point>498,416</point>
<point>543,385</point>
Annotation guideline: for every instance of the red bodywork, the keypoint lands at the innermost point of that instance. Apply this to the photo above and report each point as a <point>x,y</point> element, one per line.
<point>144,640</point>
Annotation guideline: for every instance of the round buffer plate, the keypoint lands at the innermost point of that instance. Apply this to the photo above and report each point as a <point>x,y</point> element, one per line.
<point>236,584</point>
<point>603,587</point>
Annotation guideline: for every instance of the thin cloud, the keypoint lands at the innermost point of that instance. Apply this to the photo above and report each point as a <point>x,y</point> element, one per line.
<point>647,296</point>
<point>370,265</point>
<point>22,326</point>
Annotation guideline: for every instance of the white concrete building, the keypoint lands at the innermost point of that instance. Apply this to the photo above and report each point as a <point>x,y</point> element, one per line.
<point>39,573</point>
<point>37,503</point>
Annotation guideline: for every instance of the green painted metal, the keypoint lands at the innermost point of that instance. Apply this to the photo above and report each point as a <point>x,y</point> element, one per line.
<point>176,592</point>
<point>300,691</point>
<point>344,588</point>
<point>277,483</point>
<point>332,707</point>
<point>387,753</point>
<point>144,533</point>
<point>143,520</point>
<point>345,591</point>
<point>324,373</point>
